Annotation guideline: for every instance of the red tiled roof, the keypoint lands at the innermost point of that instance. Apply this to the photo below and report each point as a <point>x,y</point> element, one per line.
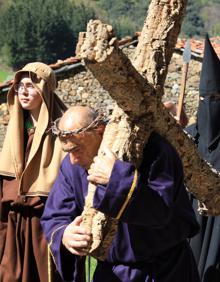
<point>54,66</point>
<point>61,63</point>
<point>197,48</point>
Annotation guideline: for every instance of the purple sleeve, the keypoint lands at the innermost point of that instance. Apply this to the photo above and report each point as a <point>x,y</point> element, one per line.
<point>60,210</point>
<point>152,201</point>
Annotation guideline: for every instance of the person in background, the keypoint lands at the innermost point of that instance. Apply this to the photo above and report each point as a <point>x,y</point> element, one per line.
<point>155,220</point>
<point>172,108</point>
<point>206,135</point>
<point>30,160</point>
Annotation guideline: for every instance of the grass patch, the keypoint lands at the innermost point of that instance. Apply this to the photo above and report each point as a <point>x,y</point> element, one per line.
<point>6,73</point>
<point>90,268</point>
<point>3,76</point>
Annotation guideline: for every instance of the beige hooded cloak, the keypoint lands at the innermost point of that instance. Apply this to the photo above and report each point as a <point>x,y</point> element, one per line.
<point>40,171</point>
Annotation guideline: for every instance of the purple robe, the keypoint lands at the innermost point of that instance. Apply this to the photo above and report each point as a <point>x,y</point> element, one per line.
<point>151,242</point>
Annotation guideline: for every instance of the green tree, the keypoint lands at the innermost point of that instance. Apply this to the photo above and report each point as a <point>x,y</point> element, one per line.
<point>125,16</point>
<point>47,30</point>
<point>193,24</point>
<point>41,30</point>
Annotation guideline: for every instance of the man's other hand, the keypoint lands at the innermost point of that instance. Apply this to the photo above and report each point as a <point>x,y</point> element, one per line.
<point>76,238</point>
<point>101,168</point>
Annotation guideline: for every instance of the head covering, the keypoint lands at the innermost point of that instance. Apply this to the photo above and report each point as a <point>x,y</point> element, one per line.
<point>209,77</point>
<point>208,115</point>
<point>40,171</point>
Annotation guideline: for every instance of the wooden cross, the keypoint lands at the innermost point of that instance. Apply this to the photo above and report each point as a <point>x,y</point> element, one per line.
<point>137,87</point>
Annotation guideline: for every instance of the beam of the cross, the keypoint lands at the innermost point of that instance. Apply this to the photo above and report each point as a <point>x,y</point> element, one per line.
<point>145,113</point>
<point>140,110</point>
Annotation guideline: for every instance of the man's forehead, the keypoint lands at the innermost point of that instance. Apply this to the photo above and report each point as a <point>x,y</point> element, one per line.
<point>70,122</point>
<point>77,117</point>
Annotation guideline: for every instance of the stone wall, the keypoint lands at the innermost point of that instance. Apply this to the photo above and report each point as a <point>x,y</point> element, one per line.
<point>83,89</point>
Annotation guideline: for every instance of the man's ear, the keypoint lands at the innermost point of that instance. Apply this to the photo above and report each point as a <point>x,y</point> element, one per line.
<point>100,129</point>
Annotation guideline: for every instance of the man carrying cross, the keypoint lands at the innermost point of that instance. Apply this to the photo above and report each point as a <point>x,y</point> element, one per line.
<point>151,203</point>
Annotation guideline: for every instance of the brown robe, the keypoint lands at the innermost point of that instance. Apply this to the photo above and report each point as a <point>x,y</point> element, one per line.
<point>24,257</point>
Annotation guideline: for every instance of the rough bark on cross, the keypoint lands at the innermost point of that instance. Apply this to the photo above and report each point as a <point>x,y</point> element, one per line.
<point>137,89</point>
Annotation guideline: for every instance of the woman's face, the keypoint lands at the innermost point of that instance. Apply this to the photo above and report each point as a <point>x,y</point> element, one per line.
<point>28,95</point>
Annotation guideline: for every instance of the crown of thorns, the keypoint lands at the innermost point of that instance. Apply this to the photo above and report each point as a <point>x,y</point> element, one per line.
<point>100,119</point>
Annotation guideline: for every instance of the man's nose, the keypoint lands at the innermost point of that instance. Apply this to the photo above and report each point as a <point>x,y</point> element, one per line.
<point>68,142</point>
<point>68,145</point>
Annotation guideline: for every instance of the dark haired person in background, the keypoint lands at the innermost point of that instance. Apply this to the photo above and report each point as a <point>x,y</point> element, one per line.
<point>206,134</point>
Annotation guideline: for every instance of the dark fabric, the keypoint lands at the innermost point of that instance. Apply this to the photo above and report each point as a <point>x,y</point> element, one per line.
<point>206,134</point>
<point>208,125</point>
<point>163,270</point>
<point>206,244</point>
<point>210,155</point>
<point>150,244</point>
<point>209,77</point>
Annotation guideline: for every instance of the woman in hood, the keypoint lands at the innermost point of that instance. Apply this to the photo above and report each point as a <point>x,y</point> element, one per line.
<point>30,159</point>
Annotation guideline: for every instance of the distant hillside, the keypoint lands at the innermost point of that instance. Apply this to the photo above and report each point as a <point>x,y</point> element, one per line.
<point>127,16</point>
<point>47,30</point>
